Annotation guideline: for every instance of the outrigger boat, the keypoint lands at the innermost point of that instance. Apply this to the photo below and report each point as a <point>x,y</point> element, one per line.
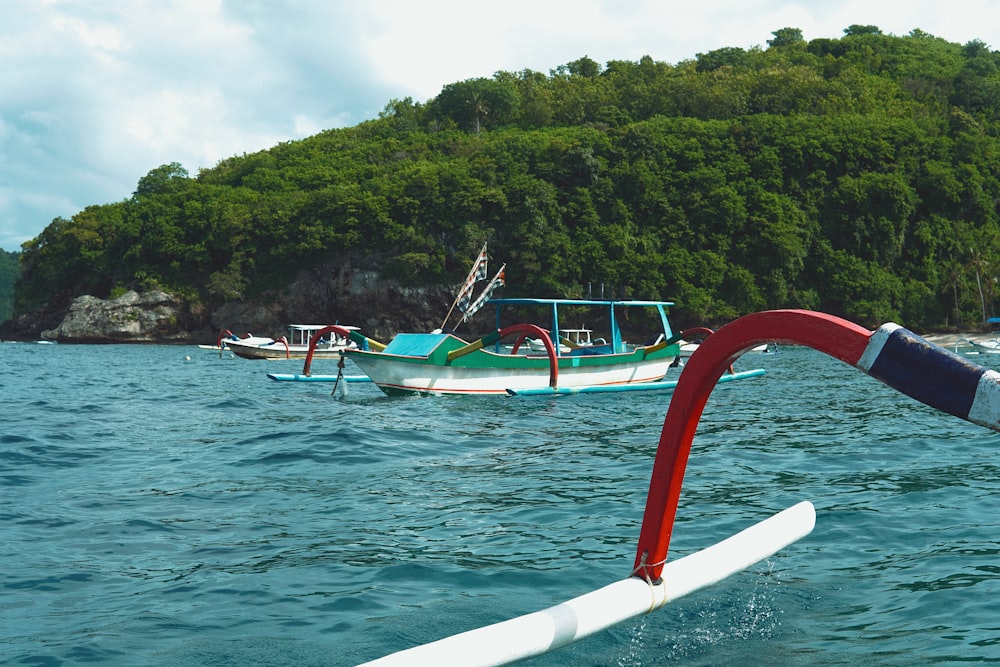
<point>442,363</point>
<point>570,361</point>
<point>222,342</point>
<point>971,346</point>
<point>296,346</point>
<point>690,347</point>
<point>890,354</point>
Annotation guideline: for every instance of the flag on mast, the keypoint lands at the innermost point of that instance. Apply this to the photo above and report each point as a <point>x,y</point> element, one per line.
<point>478,272</point>
<point>498,281</point>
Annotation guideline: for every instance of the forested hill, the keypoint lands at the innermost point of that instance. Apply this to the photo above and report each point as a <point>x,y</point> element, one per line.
<point>858,176</point>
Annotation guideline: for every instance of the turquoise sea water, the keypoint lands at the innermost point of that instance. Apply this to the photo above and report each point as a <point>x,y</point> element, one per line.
<point>160,505</point>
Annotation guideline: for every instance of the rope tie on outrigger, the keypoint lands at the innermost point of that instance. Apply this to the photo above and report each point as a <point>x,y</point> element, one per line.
<point>643,567</point>
<point>340,374</point>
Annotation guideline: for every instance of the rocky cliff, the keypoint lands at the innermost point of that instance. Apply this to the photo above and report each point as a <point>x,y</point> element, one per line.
<point>326,295</point>
<point>131,318</point>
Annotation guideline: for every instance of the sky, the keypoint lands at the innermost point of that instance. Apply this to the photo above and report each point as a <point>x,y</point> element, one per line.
<point>94,94</point>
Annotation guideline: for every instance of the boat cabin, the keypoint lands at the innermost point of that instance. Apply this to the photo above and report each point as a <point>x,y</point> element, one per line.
<point>579,337</point>
<point>301,334</point>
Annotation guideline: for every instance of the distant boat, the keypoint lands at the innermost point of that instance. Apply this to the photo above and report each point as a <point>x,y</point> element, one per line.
<point>689,347</point>
<point>689,344</point>
<point>441,363</point>
<point>222,343</point>
<point>970,346</point>
<point>295,346</point>
<point>569,340</point>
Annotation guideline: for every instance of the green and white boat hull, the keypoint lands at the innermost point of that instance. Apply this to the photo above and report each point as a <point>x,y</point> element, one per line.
<point>420,365</point>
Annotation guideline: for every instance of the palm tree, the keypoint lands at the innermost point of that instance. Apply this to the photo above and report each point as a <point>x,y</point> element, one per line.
<point>478,107</point>
<point>954,276</point>
<point>978,264</point>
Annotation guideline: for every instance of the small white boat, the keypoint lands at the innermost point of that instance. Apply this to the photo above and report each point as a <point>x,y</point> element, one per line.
<point>537,346</point>
<point>222,343</point>
<point>294,346</point>
<point>971,346</point>
<point>688,348</point>
<point>569,340</point>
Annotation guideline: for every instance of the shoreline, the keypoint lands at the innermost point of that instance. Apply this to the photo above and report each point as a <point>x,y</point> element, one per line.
<point>949,340</point>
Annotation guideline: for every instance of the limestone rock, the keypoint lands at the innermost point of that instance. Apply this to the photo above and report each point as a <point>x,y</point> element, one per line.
<point>335,293</point>
<point>131,318</point>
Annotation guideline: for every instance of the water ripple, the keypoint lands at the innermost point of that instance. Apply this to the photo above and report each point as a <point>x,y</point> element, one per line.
<point>183,510</point>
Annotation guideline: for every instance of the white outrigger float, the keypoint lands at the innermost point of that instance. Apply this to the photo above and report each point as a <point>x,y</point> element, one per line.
<point>891,354</point>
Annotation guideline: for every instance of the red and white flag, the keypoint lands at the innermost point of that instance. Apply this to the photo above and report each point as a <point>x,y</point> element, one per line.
<point>498,281</point>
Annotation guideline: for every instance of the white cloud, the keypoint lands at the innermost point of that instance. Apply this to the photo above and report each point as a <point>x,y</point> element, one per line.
<point>98,92</point>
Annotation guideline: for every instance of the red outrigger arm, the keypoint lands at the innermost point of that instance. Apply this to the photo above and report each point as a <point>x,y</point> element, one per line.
<point>318,336</point>
<point>538,332</point>
<point>524,330</point>
<point>891,354</point>
<point>222,334</point>
<point>488,339</point>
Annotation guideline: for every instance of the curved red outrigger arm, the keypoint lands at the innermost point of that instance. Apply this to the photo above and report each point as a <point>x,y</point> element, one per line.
<point>891,354</point>
<point>550,348</point>
<point>318,336</point>
<point>524,329</point>
<point>225,333</point>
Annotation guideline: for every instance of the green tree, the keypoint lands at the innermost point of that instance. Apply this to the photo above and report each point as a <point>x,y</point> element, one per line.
<point>8,277</point>
<point>786,37</point>
<point>475,103</point>
<point>851,175</point>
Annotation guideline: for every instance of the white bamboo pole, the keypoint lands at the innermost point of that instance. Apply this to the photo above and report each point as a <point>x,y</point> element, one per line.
<point>546,630</point>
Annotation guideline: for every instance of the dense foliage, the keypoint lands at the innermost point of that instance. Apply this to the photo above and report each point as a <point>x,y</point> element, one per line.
<point>8,276</point>
<point>857,176</point>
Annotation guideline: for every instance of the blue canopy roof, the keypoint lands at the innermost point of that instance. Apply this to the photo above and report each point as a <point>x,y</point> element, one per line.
<point>577,302</point>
